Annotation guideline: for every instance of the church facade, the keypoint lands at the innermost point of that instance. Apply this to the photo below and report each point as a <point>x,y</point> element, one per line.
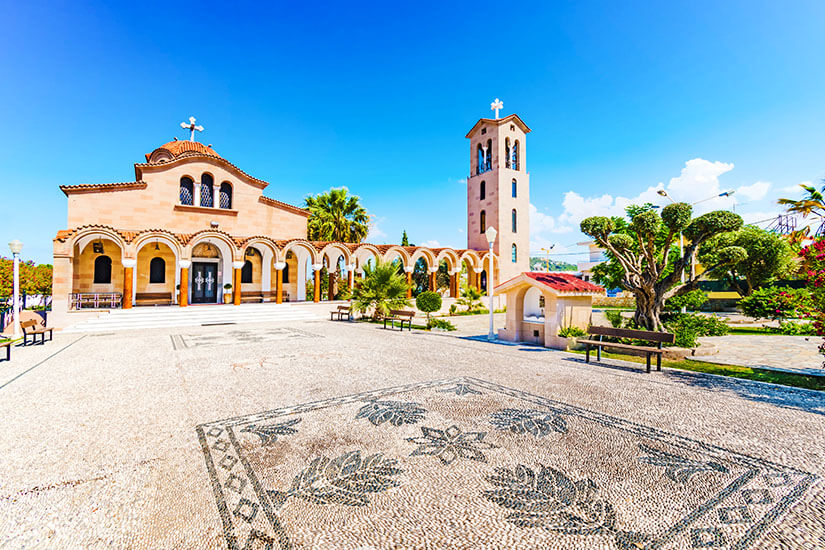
<point>193,228</point>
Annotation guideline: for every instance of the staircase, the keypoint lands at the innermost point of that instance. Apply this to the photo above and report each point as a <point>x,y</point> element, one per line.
<point>193,316</point>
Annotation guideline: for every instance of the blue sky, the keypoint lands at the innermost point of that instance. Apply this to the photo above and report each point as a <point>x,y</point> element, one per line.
<point>621,97</point>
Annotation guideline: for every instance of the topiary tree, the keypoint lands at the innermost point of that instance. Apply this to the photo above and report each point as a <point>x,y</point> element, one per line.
<point>428,302</point>
<point>769,257</point>
<point>650,263</point>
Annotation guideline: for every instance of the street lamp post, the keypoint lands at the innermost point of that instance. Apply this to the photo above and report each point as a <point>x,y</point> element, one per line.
<point>16,246</point>
<point>663,193</point>
<point>491,238</point>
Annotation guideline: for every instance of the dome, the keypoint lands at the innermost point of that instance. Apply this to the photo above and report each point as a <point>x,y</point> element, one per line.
<point>176,148</point>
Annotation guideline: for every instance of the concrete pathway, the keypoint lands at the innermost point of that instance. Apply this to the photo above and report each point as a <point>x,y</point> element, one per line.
<point>797,354</point>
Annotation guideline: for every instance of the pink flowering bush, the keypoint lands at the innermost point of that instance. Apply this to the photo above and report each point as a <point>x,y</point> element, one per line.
<point>813,265</point>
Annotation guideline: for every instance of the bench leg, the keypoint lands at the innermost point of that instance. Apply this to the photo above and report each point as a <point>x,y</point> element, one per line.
<point>599,354</point>
<point>659,362</point>
<point>587,353</point>
<point>648,362</point>
<point>8,353</point>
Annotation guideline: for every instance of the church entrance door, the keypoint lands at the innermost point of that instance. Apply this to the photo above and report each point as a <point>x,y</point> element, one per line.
<point>204,283</point>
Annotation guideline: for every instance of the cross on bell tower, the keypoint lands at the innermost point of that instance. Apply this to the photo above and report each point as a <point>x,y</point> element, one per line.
<point>191,127</point>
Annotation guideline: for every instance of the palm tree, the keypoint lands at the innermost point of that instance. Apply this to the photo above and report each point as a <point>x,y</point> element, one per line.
<point>813,204</point>
<point>471,298</point>
<point>382,288</point>
<point>336,216</point>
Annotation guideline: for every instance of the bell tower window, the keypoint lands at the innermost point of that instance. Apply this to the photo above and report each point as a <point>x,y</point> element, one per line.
<point>482,191</point>
<point>488,162</point>
<point>514,220</point>
<point>514,253</point>
<point>515,188</point>
<point>482,222</point>
<point>515,156</point>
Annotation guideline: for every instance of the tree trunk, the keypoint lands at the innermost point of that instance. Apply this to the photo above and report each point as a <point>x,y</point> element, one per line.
<point>648,311</point>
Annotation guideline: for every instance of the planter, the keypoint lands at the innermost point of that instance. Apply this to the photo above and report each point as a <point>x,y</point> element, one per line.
<point>227,298</point>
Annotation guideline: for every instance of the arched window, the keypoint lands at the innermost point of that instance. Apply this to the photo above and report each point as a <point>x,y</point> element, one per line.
<point>488,162</point>
<point>514,253</point>
<point>515,156</point>
<point>515,226</point>
<point>515,188</point>
<point>482,191</point>
<point>187,190</point>
<point>479,160</point>
<point>286,273</point>
<point>157,270</point>
<point>246,272</point>
<point>482,222</point>
<point>103,270</point>
<point>507,153</point>
<point>225,199</point>
<point>206,190</point>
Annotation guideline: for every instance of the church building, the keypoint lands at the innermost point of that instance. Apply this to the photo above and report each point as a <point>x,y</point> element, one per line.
<point>193,228</point>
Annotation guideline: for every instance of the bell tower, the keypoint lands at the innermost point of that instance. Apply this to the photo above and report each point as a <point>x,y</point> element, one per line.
<point>498,191</point>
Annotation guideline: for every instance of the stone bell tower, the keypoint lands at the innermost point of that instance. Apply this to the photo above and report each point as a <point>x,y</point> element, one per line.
<point>498,191</point>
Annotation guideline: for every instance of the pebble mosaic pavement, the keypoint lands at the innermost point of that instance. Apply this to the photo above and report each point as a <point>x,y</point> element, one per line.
<point>340,435</point>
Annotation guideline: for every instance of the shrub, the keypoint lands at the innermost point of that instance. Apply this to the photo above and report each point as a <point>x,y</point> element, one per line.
<point>381,289</point>
<point>453,309</point>
<point>793,328</point>
<point>687,327</point>
<point>572,332</point>
<point>776,303</point>
<point>615,318</point>
<point>443,324</point>
<point>471,298</point>
<point>428,302</point>
<point>691,301</point>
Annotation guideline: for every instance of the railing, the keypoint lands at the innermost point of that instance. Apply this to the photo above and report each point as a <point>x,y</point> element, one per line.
<point>103,300</point>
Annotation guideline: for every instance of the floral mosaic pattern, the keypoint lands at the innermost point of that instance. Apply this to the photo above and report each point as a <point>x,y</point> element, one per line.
<point>678,468</point>
<point>451,444</point>
<point>269,433</point>
<point>347,479</point>
<point>530,421</point>
<point>394,412</point>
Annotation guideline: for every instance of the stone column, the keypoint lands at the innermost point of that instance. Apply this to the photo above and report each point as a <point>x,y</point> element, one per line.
<point>331,287</point>
<point>236,282</point>
<point>453,284</point>
<point>351,276</point>
<point>184,282</point>
<point>279,282</point>
<point>408,269</point>
<point>478,271</point>
<point>128,279</point>
<point>61,290</point>
<point>316,280</point>
<point>432,281</point>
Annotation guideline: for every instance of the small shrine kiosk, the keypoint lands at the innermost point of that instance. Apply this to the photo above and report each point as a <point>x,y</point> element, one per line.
<point>540,304</point>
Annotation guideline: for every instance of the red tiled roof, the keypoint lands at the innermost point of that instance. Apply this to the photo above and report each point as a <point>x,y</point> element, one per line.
<point>97,187</point>
<point>178,147</point>
<point>563,282</point>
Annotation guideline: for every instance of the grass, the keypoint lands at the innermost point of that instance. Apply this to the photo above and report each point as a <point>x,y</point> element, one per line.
<point>374,322</point>
<point>734,371</point>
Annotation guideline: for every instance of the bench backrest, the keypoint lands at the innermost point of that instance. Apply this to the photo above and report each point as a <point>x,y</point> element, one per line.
<point>154,295</point>
<point>402,313</point>
<point>28,324</point>
<point>646,335</point>
<point>343,308</point>
<point>251,293</point>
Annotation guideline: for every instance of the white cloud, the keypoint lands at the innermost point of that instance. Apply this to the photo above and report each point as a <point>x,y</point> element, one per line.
<point>795,190</point>
<point>375,233</point>
<point>754,192</point>
<point>431,244</point>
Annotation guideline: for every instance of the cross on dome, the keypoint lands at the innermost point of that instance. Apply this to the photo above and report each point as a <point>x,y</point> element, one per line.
<point>496,106</point>
<point>191,127</point>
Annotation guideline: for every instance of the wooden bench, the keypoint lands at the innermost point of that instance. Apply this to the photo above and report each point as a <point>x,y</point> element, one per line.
<point>341,312</point>
<point>401,316</point>
<point>32,328</point>
<point>658,338</point>
<point>153,299</point>
<point>7,345</point>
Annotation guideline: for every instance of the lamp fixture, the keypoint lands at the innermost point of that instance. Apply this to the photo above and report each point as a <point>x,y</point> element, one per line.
<point>156,246</point>
<point>97,247</point>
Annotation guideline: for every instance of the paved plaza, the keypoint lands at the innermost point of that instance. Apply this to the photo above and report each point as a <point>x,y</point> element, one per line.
<point>317,434</point>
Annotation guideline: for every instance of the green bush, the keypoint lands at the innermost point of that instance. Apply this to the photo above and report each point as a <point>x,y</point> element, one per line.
<point>428,302</point>
<point>572,332</point>
<point>692,301</point>
<point>776,303</point>
<point>793,328</point>
<point>443,324</point>
<point>615,318</point>
<point>687,327</point>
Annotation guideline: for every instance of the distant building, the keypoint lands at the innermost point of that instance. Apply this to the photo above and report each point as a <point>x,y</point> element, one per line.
<point>596,257</point>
